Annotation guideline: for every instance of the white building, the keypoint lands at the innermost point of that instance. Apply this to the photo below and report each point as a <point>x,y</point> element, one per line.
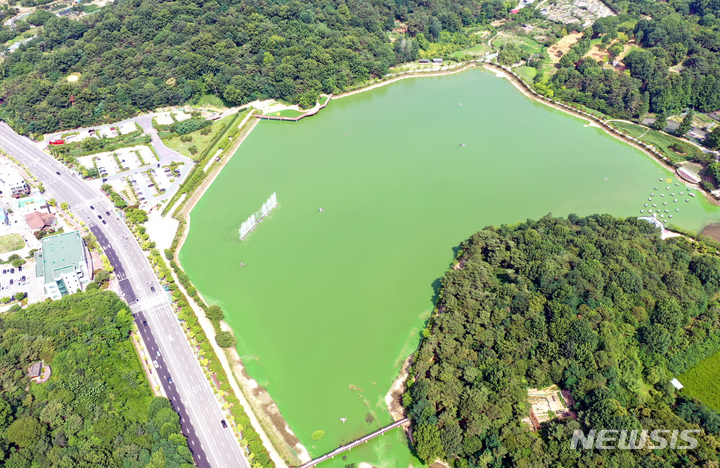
<point>12,183</point>
<point>62,265</point>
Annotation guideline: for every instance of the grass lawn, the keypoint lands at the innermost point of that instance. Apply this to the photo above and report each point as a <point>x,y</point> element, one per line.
<point>10,242</point>
<point>526,73</point>
<point>200,141</point>
<point>703,381</point>
<point>286,113</point>
<point>210,100</point>
<point>661,141</point>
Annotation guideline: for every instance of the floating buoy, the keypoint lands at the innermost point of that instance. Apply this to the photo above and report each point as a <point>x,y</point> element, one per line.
<point>665,203</point>
<point>662,194</point>
<point>649,211</point>
<point>687,200</point>
<point>680,193</point>
<point>675,200</point>
<point>321,209</point>
<point>649,199</point>
<point>662,215</point>
<point>655,188</point>
<point>667,188</point>
<point>661,180</point>
<point>669,216</point>
<point>677,184</point>
<point>677,209</point>
<point>654,204</point>
<point>645,204</point>
<point>641,211</point>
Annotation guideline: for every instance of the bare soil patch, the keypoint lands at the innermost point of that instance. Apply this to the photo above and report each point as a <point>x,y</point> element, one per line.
<point>561,47</point>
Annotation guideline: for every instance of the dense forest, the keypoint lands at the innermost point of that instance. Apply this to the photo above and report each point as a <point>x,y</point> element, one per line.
<point>599,306</point>
<point>97,409</point>
<point>678,66</point>
<point>143,54</point>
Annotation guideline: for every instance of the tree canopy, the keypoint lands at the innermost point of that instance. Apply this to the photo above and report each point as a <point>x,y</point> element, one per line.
<point>96,410</point>
<point>601,307</point>
<point>142,54</point>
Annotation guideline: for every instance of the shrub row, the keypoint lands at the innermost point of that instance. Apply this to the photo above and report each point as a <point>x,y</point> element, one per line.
<point>198,174</point>
<point>249,437</point>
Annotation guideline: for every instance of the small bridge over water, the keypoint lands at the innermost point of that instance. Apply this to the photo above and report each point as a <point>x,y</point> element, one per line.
<point>354,443</point>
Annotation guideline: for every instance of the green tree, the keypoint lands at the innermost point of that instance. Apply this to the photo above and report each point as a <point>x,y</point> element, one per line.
<point>428,443</point>
<point>215,313</point>
<point>713,139</point>
<point>25,432</point>
<point>52,202</point>
<point>660,121</point>
<point>65,206</point>
<point>686,124</point>
<point>19,296</point>
<point>225,339</point>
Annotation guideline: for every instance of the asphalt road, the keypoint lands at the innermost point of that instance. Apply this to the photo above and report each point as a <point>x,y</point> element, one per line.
<point>189,391</point>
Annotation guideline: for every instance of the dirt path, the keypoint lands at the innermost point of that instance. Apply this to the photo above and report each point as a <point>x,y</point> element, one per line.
<point>412,74</point>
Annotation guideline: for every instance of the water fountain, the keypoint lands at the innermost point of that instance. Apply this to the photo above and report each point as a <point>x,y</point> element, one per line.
<point>255,218</point>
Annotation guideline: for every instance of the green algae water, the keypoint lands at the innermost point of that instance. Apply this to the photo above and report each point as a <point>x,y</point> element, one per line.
<point>329,303</point>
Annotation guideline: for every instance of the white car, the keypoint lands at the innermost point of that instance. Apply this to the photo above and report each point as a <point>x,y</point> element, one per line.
<point>156,364</point>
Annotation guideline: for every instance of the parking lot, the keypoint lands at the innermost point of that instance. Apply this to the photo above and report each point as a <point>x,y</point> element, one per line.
<point>15,280</point>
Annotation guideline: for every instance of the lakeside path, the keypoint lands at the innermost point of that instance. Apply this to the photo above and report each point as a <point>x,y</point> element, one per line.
<point>408,74</point>
<point>257,403</point>
<point>602,124</point>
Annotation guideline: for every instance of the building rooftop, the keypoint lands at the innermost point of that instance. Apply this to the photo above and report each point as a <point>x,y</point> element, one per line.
<point>37,220</point>
<point>58,255</point>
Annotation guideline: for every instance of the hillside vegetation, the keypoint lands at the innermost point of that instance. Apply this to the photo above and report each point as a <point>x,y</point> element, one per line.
<point>142,54</point>
<point>674,63</point>
<point>598,305</point>
<point>97,409</point>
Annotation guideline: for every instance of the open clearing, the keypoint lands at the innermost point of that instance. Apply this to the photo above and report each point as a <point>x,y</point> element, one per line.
<point>562,46</point>
<point>198,140</point>
<point>10,242</point>
<point>703,381</point>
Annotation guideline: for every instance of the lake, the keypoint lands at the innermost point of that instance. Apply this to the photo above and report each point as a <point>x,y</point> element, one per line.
<point>329,303</point>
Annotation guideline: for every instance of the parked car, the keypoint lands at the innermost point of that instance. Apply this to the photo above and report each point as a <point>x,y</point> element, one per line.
<point>11,282</point>
<point>57,142</point>
<point>12,270</point>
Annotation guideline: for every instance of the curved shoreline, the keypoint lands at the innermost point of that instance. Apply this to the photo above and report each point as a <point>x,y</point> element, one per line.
<point>395,391</point>
<point>404,75</point>
<point>596,122</point>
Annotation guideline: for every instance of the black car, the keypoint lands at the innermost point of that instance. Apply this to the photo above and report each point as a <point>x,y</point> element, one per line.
<point>104,222</point>
<point>12,270</point>
<point>224,424</point>
<point>152,288</point>
<point>169,379</point>
<point>99,217</point>
<point>145,323</point>
<point>107,213</point>
<point>57,173</point>
<point>92,207</point>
